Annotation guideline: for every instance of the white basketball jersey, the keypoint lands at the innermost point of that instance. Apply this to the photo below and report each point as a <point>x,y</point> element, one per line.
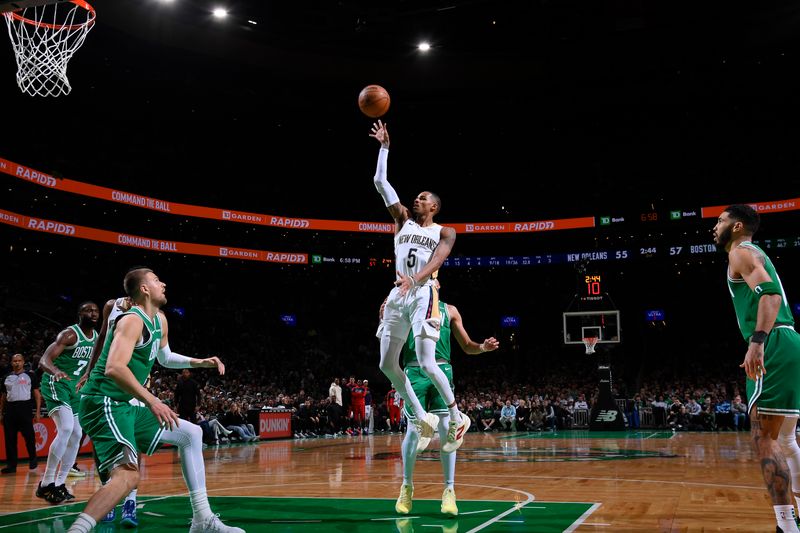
<point>414,246</point>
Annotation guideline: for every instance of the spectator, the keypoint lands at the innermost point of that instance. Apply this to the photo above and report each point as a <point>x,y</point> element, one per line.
<point>739,412</point>
<point>508,416</point>
<point>187,396</point>
<point>723,414</point>
<point>335,392</point>
<point>659,411</point>
<point>234,420</point>
<point>522,417</point>
<point>549,415</point>
<point>487,417</point>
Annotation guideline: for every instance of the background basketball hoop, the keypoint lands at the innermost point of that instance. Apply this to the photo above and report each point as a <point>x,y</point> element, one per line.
<point>590,343</point>
<point>44,35</point>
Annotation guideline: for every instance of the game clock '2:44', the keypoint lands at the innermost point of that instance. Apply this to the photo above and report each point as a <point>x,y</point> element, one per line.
<point>594,285</point>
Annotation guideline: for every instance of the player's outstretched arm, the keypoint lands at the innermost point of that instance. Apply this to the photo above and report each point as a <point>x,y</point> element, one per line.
<point>390,199</point>
<point>169,359</point>
<point>462,337</point>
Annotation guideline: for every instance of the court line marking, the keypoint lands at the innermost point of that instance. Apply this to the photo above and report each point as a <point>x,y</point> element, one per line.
<point>516,507</point>
<point>581,519</point>
<point>476,512</point>
<point>63,514</point>
<point>404,517</point>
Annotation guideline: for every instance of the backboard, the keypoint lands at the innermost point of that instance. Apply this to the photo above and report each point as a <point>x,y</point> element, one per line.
<point>602,324</point>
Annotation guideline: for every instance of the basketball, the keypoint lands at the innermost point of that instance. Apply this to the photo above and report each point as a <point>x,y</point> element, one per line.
<point>373,100</point>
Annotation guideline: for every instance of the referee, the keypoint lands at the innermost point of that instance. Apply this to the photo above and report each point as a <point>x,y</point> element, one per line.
<point>20,387</point>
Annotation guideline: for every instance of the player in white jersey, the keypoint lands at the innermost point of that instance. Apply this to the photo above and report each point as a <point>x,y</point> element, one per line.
<point>421,247</point>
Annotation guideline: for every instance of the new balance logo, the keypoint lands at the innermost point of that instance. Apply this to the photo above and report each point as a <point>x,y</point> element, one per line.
<point>606,416</point>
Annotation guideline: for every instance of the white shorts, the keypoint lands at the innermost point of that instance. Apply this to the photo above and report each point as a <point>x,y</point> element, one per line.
<point>417,311</point>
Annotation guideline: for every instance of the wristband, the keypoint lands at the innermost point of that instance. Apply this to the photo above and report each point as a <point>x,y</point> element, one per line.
<point>758,337</point>
<point>413,280</point>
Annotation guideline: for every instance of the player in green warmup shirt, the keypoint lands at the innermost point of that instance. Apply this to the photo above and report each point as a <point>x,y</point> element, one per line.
<point>120,430</point>
<point>772,361</point>
<point>63,363</point>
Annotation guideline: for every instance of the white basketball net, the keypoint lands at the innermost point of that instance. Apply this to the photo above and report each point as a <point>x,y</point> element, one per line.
<point>44,39</point>
<point>590,343</point>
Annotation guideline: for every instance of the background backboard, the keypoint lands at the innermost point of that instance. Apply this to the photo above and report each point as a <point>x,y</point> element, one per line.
<point>603,324</point>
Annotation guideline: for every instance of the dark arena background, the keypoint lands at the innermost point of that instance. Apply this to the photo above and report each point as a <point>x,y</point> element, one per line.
<point>582,150</point>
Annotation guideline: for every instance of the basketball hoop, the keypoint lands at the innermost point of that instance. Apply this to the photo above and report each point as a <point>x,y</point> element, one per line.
<point>44,37</point>
<point>590,343</point>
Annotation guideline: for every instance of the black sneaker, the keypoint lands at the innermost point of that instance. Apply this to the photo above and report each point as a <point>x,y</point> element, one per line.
<point>57,495</point>
<point>42,492</point>
<point>67,494</point>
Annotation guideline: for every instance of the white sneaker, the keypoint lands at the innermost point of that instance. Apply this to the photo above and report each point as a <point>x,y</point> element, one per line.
<point>426,426</point>
<point>455,433</point>
<point>422,444</point>
<point>74,472</point>
<point>213,524</point>
<point>404,501</point>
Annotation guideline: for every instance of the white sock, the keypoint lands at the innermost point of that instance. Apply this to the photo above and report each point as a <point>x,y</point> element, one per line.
<point>201,509</point>
<point>784,514</point>
<point>132,495</point>
<point>83,524</point>
<point>455,414</point>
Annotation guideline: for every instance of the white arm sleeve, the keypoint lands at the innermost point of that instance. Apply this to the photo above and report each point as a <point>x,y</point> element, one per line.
<point>387,191</point>
<point>170,359</point>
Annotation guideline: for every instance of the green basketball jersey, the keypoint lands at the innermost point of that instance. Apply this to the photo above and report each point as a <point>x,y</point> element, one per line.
<point>140,364</point>
<point>74,358</point>
<point>745,301</point>
<point>409,353</point>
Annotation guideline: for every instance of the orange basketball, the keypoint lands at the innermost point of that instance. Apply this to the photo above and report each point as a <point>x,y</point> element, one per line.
<point>373,100</point>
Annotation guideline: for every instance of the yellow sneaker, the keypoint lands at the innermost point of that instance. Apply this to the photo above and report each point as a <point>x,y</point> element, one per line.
<point>455,433</point>
<point>404,525</point>
<point>404,503</point>
<point>449,502</point>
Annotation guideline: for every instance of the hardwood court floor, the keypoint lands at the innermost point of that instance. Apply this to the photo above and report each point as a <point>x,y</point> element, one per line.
<point>541,482</point>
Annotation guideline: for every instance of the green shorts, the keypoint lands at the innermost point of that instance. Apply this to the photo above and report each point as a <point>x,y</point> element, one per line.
<point>118,430</point>
<point>778,391</point>
<point>59,394</point>
<point>426,391</point>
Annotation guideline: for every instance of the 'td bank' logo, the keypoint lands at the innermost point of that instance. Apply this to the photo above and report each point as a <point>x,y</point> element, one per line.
<point>226,215</point>
<point>470,227</point>
<point>223,252</point>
